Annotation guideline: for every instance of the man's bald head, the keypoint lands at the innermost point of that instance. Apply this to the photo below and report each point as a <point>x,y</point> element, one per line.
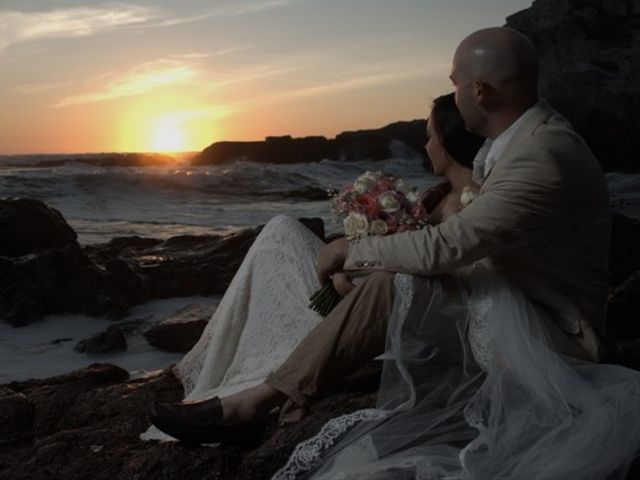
<point>497,56</point>
<point>495,71</point>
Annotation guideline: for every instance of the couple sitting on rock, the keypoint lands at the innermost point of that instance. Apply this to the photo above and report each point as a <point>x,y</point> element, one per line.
<point>488,321</point>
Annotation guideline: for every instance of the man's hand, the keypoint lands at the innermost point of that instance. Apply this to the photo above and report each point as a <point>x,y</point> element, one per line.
<point>331,259</point>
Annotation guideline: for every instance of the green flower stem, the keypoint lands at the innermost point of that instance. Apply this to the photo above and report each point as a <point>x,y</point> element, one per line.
<point>324,300</point>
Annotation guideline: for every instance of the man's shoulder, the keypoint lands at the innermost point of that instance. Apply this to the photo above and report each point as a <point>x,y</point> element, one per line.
<point>551,140</point>
<point>548,155</point>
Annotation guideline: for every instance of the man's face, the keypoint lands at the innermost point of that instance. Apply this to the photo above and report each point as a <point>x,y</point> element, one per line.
<point>465,99</point>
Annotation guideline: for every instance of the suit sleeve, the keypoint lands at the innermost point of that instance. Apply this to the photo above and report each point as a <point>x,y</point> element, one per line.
<point>523,204</point>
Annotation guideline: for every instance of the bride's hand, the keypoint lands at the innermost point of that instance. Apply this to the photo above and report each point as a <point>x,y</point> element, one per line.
<point>342,283</point>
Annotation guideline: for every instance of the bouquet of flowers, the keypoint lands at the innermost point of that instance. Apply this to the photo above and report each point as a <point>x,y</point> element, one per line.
<point>375,204</point>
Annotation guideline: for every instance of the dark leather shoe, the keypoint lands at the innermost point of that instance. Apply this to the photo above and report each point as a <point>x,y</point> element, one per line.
<point>245,436</point>
<point>189,414</point>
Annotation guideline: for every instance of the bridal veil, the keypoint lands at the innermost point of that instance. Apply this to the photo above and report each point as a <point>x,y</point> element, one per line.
<point>471,388</point>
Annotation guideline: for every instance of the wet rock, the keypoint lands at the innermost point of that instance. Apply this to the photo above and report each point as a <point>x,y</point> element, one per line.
<point>58,401</point>
<point>58,280</point>
<point>16,415</point>
<point>145,268</point>
<point>44,271</point>
<point>111,340</point>
<point>180,331</point>
<point>27,226</point>
<point>624,259</point>
<point>179,266</point>
<point>624,308</point>
<point>54,275</point>
<point>87,425</point>
<point>590,64</point>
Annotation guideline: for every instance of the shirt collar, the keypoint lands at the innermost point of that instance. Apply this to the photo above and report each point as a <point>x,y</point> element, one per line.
<point>499,143</point>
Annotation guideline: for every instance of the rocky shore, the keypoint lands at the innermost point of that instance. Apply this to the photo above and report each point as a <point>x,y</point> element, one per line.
<point>85,424</point>
<point>45,270</point>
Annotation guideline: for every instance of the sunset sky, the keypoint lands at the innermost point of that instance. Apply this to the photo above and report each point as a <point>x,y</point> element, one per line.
<point>92,76</point>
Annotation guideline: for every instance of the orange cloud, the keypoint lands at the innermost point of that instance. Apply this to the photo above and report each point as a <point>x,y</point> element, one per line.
<point>137,81</point>
<point>18,27</point>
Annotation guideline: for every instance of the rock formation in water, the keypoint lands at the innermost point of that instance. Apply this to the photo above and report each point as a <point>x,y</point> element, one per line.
<point>399,138</point>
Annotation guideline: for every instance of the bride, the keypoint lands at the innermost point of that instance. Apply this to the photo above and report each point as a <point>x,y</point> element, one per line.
<point>265,313</point>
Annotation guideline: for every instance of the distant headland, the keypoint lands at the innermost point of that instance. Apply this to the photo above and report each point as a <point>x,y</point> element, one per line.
<point>377,144</point>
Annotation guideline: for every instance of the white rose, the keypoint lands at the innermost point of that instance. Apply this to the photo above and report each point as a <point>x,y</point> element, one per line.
<point>379,227</point>
<point>468,195</point>
<point>366,181</point>
<point>388,202</point>
<point>356,225</point>
<point>362,184</point>
<point>370,176</point>
<point>413,196</point>
<point>402,187</point>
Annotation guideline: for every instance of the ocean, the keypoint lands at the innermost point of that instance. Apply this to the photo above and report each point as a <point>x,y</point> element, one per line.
<point>102,202</point>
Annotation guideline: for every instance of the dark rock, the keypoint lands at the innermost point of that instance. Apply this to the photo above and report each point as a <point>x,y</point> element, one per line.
<point>590,66</point>
<point>58,400</point>
<point>58,277</point>
<point>16,415</point>
<point>624,305</point>
<point>624,259</point>
<point>316,225</point>
<point>87,423</point>
<point>180,266</point>
<point>43,270</point>
<point>111,340</point>
<point>58,280</point>
<point>623,328</point>
<point>180,331</point>
<point>27,226</point>
<point>145,269</point>
<point>383,143</point>
<point>378,144</point>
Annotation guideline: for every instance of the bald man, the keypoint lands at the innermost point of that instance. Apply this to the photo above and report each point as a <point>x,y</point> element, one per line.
<point>542,219</point>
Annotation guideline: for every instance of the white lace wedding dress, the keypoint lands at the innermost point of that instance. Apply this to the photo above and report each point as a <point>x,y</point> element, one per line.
<point>471,389</point>
<point>260,319</point>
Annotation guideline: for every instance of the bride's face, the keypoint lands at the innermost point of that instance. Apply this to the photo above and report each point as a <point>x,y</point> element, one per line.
<point>435,150</point>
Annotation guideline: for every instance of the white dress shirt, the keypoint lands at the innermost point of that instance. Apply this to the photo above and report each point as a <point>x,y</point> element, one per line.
<point>492,149</point>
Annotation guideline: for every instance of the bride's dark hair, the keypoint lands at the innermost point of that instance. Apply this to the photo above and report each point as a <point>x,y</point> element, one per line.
<point>448,124</point>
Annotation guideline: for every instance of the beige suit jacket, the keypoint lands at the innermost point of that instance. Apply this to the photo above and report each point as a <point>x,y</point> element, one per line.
<point>542,218</point>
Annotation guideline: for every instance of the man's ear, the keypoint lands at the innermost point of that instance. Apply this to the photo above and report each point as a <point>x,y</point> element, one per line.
<point>483,93</point>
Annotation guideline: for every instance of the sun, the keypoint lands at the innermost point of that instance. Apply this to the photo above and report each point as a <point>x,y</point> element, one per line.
<point>168,135</point>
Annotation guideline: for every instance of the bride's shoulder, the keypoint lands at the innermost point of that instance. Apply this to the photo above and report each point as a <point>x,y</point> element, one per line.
<point>448,206</point>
